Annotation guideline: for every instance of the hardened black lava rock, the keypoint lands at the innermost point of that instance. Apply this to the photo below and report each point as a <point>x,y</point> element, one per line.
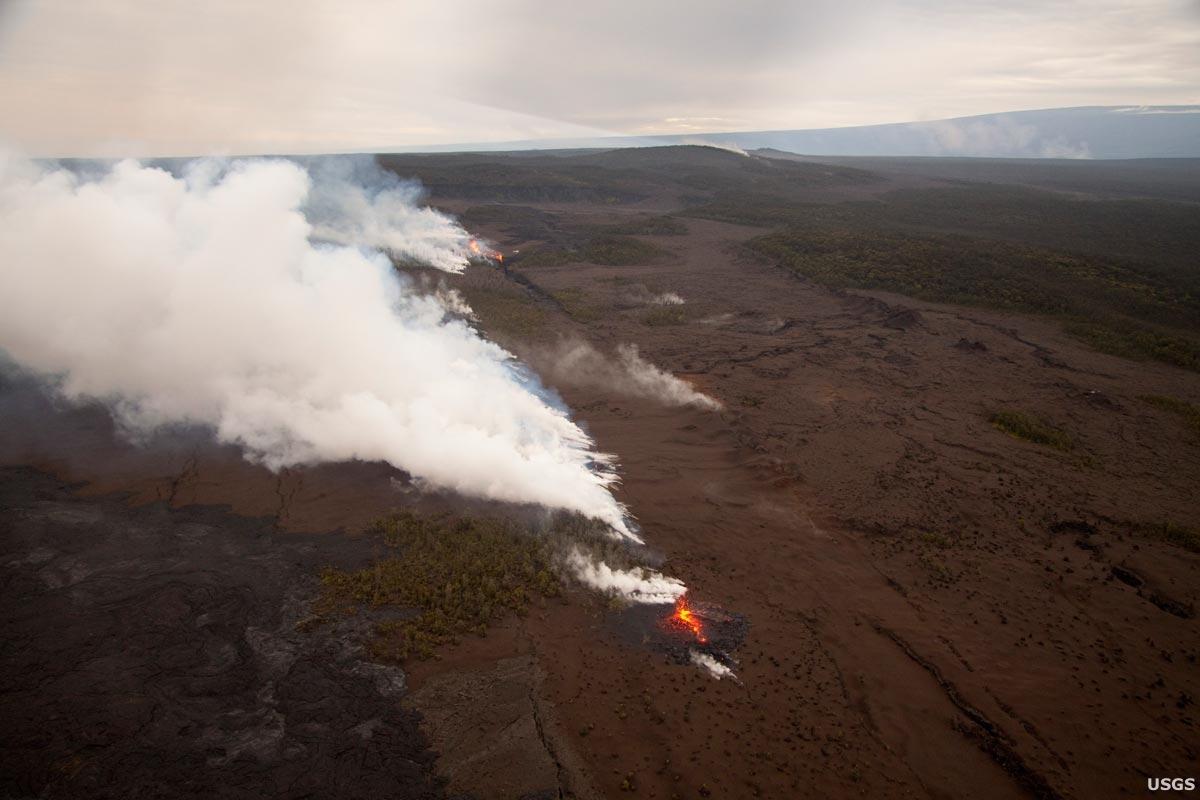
<point>719,632</point>
<point>148,652</point>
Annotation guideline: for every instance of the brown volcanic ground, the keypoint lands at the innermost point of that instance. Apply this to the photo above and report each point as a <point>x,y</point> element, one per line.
<point>936,609</point>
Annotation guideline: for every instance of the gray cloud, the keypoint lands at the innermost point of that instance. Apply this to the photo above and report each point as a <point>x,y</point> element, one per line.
<point>622,65</point>
<point>170,77</point>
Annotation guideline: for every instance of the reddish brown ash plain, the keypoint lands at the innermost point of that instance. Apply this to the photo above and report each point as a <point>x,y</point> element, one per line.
<point>936,609</point>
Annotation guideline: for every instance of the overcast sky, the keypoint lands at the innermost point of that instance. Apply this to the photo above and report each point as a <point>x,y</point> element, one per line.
<point>159,77</point>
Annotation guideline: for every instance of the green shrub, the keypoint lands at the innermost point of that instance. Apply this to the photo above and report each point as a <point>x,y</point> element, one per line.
<point>1031,429</point>
<point>1135,304</point>
<point>665,315</point>
<point>1188,412</point>
<point>523,223</point>
<point>1132,341</point>
<point>546,256</point>
<point>607,250</point>
<point>621,251</point>
<point>1171,533</point>
<point>578,304</point>
<point>937,540</point>
<point>508,313</point>
<point>455,576</point>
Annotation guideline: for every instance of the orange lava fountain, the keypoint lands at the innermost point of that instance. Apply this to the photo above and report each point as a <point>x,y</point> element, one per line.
<point>685,618</point>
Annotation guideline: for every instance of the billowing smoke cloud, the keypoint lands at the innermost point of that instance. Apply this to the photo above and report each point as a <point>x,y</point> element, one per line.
<point>577,363</point>
<point>251,297</point>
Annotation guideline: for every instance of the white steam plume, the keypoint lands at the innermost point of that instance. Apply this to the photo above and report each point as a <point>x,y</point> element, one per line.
<point>639,585</point>
<point>666,299</point>
<point>211,299</point>
<point>353,202</point>
<point>638,294</point>
<point>718,144</point>
<point>578,363</point>
<point>712,665</point>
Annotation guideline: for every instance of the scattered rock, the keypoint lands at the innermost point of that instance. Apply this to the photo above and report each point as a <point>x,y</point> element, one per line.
<point>903,319</point>
<point>1127,576</point>
<point>1073,526</point>
<point>970,346</point>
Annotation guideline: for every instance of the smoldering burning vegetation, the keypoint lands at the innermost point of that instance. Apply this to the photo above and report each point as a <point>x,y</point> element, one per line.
<point>257,298</point>
<point>578,363</point>
<point>638,295</point>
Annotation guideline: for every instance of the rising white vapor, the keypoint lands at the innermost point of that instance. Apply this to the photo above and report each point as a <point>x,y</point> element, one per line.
<point>639,584</point>
<point>353,202</point>
<point>577,363</point>
<point>252,298</point>
<point>711,664</point>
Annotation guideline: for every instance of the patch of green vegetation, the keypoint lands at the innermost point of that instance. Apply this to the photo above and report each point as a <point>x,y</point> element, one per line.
<point>578,304</point>
<point>1120,273</point>
<point>963,270</point>
<point>456,576</point>
<point>1120,338</point>
<point>1156,231</point>
<point>1156,237</point>
<point>760,211</point>
<point>1169,532</point>
<point>608,250</point>
<point>521,222</point>
<point>936,539</point>
<point>1031,429</point>
<point>508,313</point>
<point>664,315</point>
<point>939,571</point>
<point>609,177</point>
<point>1114,307</point>
<point>1188,412</point>
<point>546,256</point>
<point>621,251</point>
<point>506,179</point>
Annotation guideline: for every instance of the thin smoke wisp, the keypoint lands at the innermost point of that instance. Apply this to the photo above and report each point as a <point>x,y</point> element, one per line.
<point>578,363</point>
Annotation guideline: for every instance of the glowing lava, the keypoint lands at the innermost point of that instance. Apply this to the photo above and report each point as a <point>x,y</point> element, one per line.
<point>686,618</point>
<point>477,250</point>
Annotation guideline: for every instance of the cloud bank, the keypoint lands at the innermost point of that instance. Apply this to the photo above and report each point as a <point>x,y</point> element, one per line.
<point>123,77</point>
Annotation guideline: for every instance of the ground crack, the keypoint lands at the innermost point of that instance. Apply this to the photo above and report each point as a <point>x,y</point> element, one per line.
<point>285,494</point>
<point>560,772</point>
<point>189,472</point>
<point>986,735</point>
